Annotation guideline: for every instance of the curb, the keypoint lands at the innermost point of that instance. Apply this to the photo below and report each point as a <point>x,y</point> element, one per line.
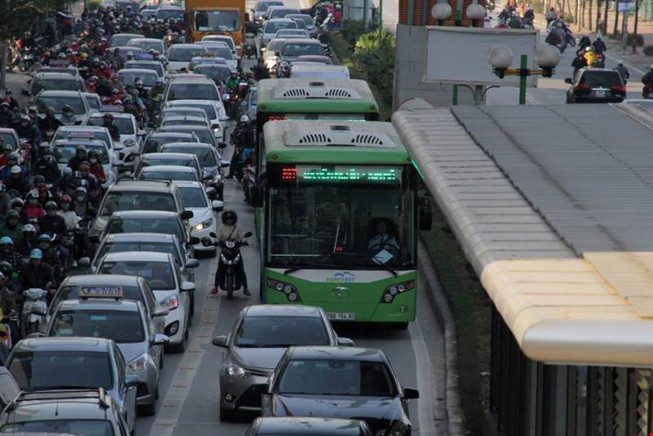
<point>451,407</point>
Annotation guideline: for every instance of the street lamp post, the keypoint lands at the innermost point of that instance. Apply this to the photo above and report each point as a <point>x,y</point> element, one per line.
<point>475,12</point>
<point>441,11</point>
<point>546,56</point>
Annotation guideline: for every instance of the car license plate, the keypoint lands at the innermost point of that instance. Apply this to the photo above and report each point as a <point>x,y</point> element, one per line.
<point>341,316</point>
<point>600,94</point>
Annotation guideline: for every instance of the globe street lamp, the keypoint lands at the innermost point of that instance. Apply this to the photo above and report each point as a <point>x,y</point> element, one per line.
<point>546,56</point>
<point>475,12</point>
<point>441,11</point>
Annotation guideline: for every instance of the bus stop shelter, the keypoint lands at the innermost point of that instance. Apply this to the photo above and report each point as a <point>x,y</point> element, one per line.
<point>553,208</point>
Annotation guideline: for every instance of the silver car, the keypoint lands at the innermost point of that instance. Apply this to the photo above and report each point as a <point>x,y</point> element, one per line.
<point>127,324</point>
<point>273,26</point>
<point>258,339</point>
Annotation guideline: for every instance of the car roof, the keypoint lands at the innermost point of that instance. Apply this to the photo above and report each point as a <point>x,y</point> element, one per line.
<point>184,46</point>
<point>170,134</point>
<point>56,75</point>
<point>59,93</point>
<point>137,35</point>
<point>187,144</point>
<point>139,237</point>
<point>115,115</point>
<point>199,78</point>
<point>142,61</point>
<point>6,130</point>
<point>144,256</point>
<point>281,310</point>
<point>146,39</point>
<point>151,214</point>
<point>184,117</point>
<point>137,71</point>
<point>189,184</point>
<point>167,156</point>
<point>101,279</point>
<point>299,425</point>
<point>183,102</point>
<point>308,41</point>
<point>337,353</point>
<point>280,20</point>
<point>142,185</point>
<point>167,168</point>
<point>79,141</point>
<point>119,305</point>
<point>59,405</point>
<point>181,127</point>
<point>63,344</point>
<point>82,128</point>
<point>299,16</point>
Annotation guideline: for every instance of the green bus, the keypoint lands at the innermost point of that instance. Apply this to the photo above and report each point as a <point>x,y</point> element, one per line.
<point>310,99</point>
<point>339,219</point>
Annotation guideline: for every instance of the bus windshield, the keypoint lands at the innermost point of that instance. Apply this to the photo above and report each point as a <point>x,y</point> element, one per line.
<point>329,217</point>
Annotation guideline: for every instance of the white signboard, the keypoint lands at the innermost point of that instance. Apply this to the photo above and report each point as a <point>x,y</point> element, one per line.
<point>460,54</point>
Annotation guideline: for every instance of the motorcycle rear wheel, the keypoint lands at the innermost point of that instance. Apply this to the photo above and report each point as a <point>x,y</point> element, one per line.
<point>229,285</point>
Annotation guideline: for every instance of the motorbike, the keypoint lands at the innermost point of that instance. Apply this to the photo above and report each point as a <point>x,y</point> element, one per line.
<point>34,305</point>
<point>229,262</point>
<point>647,92</point>
<point>249,180</point>
<point>249,48</point>
<point>25,60</point>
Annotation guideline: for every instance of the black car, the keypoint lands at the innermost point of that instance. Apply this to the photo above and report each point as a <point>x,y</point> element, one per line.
<point>306,426</point>
<point>596,85</point>
<point>339,382</point>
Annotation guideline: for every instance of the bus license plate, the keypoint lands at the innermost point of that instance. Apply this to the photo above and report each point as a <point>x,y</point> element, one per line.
<point>341,316</point>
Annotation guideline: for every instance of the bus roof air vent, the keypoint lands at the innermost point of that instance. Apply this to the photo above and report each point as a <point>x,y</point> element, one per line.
<point>316,92</point>
<point>314,139</point>
<point>338,93</point>
<point>295,92</point>
<point>367,139</point>
<point>337,136</point>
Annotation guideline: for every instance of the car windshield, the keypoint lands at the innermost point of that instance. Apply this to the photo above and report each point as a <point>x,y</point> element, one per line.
<point>202,132</point>
<point>72,292</point>
<point>293,49</point>
<point>216,21</point>
<point>152,144</point>
<point>147,45</point>
<point>135,200</point>
<point>149,225</point>
<point>58,85</point>
<point>122,246</point>
<point>158,274</point>
<point>64,153</point>
<point>86,427</point>
<point>121,326</point>
<point>274,26</point>
<point>57,103</point>
<point>168,175</point>
<point>307,19</point>
<point>284,33</point>
<point>215,73</point>
<point>226,40</point>
<point>193,197</point>
<point>129,78</point>
<point>43,370</point>
<point>280,331</point>
<point>167,160</point>
<point>208,108</point>
<point>185,54</point>
<point>275,45</point>
<point>337,377</point>
<point>221,52</point>
<point>205,156</point>
<point>154,66</point>
<point>172,121</point>
<point>125,125</point>
<point>183,112</point>
<point>263,6</point>
<point>122,40</point>
<point>193,91</point>
<point>166,14</point>
<point>93,101</point>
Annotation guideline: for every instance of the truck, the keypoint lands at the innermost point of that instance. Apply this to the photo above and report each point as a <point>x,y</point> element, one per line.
<point>208,17</point>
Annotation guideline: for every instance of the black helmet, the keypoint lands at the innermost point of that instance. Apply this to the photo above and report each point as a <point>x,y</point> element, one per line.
<point>229,215</point>
<point>6,268</point>
<point>51,205</point>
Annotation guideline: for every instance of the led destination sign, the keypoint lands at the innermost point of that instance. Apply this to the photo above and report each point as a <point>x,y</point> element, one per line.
<point>315,173</point>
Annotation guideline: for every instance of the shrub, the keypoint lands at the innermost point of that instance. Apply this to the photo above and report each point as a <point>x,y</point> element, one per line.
<point>648,50</point>
<point>93,4</point>
<point>352,30</point>
<point>375,51</point>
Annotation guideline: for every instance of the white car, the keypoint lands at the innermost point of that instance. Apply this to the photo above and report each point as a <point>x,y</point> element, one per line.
<point>292,33</point>
<point>179,55</point>
<point>204,221</point>
<point>130,136</point>
<point>223,38</point>
<point>64,150</point>
<point>166,280</point>
<point>220,49</point>
<point>214,110</point>
<point>58,99</point>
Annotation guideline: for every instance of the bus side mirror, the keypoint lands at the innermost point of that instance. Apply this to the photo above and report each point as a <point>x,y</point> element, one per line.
<point>257,196</point>
<point>425,214</point>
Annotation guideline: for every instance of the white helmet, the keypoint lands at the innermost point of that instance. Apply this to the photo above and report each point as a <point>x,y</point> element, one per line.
<point>244,119</point>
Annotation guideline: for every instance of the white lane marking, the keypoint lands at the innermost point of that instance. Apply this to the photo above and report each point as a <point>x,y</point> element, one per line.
<point>171,405</point>
<point>425,381</point>
<point>532,100</point>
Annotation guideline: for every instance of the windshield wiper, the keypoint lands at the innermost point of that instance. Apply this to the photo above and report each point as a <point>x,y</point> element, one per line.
<point>376,261</point>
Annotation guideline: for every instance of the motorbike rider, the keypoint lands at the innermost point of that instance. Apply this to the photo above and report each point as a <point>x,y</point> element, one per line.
<point>11,227</point>
<point>47,167</point>
<point>107,121</point>
<point>623,71</point>
<point>66,213</point>
<point>27,130</point>
<point>80,156</point>
<point>260,70</point>
<point>647,80</point>
<point>599,45</point>
<point>9,254</point>
<point>140,88</point>
<point>6,114</point>
<point>33,208</point>
<point>578,63</point>
<point>6,152</point>
<point>81,202</point>
<point>17,180</point>
<point>38,274</point>
<point>28,241</point>
<point>96,167</point>
<point>9,304</point>
<point>68,116</point>
<point>18,205</point>
<point>242,138</point>
<point>67,184</point>
<point>9,99</point>
<point>52,222</point>
<point>230,230</point>
<point>583,43</point>
<point>51,255</point>
<point>49,123</point>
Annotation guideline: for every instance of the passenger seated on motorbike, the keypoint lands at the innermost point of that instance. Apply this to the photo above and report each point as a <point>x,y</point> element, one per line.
<point>229,230</point>
<point>383,238</point>
<point>51,222</point>
<point>49,122</point>
<point>11,227</point>
<point>27,244</point>
<point>590,57</point>
<point>9,254</point>
<point>38,274</point>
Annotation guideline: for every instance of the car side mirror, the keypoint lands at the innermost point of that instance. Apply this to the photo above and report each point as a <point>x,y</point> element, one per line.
<point>36,310</point>
<point>266,400</point>
<point>411,394</point>
<point>187,287</point>
<point>207,178</point>
<point>225,164</point>
<point>25,92</point>
<point>247,235</point>
<point>217,205</point>
<point>345,342</point>
<point>94,239</point>
<point>568,80</point>
<point>131,381</point>
<point>161,311</point>
<point>193,240</point>
<point>187,214</point>
<point>425,214</point>
<point>213,235</point>
<point>160,339</point>
<point>192,263</point>
<point>84,261</point>
<point>222,145</point>
<point>220,341</point>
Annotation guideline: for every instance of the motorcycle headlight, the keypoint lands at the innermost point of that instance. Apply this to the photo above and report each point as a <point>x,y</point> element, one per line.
<point>234,370</point>
<point>138,364</point>
<point>171,302</point>
<point>204,224</point>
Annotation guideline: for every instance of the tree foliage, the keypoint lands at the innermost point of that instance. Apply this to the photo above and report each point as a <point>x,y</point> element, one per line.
<point>20,16</point>
<point>376,53</point>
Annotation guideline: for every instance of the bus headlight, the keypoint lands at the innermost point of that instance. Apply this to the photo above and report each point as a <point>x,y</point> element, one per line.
<point>393,290</point>
<point>289,290</point>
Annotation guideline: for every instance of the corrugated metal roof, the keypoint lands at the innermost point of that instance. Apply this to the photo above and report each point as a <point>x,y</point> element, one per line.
<point>528,190</point>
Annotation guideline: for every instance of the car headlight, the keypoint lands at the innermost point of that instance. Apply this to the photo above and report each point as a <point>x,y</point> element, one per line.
<point>138,364</point>
<point>171,302</point>
<point>204,224</point>
<point>394,290</point>
<point>234,370</point>
<point>291,292</point>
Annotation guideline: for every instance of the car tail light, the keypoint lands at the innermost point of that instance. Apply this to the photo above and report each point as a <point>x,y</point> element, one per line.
<point>582,87</point>
<point>618,89</point>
